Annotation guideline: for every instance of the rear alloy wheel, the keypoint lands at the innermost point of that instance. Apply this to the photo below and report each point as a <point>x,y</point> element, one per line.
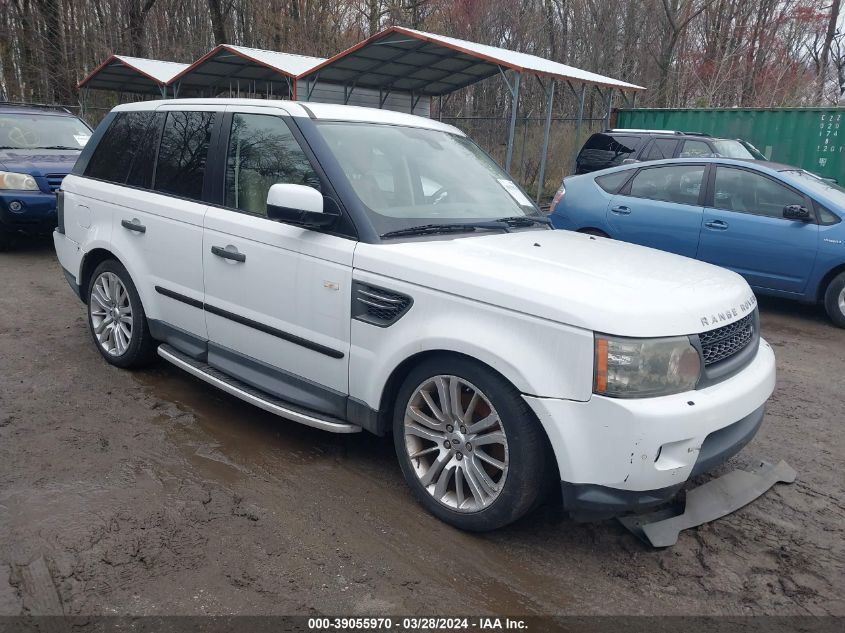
<point>834,300</point>
<point>469,446</point>
<point>116,317</point>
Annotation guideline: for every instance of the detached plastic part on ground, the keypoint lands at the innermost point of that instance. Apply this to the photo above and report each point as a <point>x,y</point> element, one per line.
<point>708,502</point>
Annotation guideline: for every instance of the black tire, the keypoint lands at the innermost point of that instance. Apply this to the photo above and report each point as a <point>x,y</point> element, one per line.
<point>141,349</point>
<point>527,447</point>
<point>833,301</point>
<point>595,232</point>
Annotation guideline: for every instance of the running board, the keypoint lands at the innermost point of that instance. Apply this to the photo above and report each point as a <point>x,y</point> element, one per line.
<point>253,396</point>
<point>708,502</point>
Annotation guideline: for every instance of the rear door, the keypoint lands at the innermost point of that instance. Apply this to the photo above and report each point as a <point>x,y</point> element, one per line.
<point>659,149</point>
<point>660,207</point>
<point>743,229</point>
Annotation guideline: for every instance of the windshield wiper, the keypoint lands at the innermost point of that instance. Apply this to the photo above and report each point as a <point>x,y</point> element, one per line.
<point>524,220</point>
<point>455,227</point>
<point>56,147</point>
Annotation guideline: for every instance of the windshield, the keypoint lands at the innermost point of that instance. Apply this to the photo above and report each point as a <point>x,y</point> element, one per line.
<point>40,131</point>
<point>732,149</point>
<point>408,177</point>
<point>826,188</point>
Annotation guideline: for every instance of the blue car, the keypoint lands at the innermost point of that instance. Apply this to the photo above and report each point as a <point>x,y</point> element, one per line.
<point>778,226</point>
<point>38,147</point>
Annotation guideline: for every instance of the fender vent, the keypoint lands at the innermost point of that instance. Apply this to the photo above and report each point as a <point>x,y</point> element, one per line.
<point>378,306</point>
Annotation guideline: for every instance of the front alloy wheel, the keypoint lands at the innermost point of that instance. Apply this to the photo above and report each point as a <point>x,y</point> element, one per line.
<point>470,447</point>
<point>111,314</point>
<point>456,443</point>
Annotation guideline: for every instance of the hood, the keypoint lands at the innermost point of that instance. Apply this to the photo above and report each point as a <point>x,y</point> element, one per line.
<point>588,282</point>
<point>38,162</point>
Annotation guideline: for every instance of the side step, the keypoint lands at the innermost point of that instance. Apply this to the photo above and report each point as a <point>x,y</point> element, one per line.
<point>253,396</point>
<point>708,502</point>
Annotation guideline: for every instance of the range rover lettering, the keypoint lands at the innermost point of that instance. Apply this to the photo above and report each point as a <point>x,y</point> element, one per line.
<point>358,270</point>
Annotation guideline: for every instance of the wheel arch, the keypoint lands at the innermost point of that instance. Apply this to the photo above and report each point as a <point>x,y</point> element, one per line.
<point>826,279</point>
<point>90,261</point>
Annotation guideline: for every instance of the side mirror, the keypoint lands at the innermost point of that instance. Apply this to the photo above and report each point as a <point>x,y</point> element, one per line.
<point>299,205</point>
<point>796,212</point>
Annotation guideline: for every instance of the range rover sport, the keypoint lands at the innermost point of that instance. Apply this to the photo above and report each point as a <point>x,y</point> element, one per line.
<point>364,270</point>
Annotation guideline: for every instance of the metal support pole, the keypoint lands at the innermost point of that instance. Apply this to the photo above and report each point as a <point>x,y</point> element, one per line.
<point>634,100</point>
<point>609,108</point>
<point>550,98</point>
<point>578,123</point>
<point>512,130</point>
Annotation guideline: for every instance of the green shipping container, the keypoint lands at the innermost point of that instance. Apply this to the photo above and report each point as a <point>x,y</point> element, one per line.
<point>806,137</point>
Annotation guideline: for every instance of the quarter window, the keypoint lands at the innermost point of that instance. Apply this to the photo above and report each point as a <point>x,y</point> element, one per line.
<point>612,182</point>
<point>141,172</point>
<point>674,183</point>
<point>749,192</point>
<point>113,155</point>
<point>263,152</point>
<point>695,149</point>
<point>183,153</point>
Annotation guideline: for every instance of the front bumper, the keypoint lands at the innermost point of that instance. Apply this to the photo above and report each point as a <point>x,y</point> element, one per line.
<point>616,455</point>
<point>37,213</point>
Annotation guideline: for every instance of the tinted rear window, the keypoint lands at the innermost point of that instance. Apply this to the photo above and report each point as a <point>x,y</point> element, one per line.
<point>183,153</point>
<point>114,154</point>
<point>607,150</point>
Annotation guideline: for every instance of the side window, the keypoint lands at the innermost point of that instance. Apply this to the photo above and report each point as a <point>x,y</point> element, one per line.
<point>113,155</point>
<point>612,182</point>
<point>826,216</point>
<point>673,183</point>
<point>695,149</point>
<point>749,192</point>
<point>661,148</point>
<point>182,154</point>
<point>143,165</point>
<point>262,152</point>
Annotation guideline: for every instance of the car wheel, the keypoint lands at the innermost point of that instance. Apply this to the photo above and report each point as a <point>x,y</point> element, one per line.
<point>834,300</point>
<point>595,232</point>
<point>469,446</point>
<point>116,317</point>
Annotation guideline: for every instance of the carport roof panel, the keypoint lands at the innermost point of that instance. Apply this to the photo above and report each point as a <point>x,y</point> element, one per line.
<point>132,74</point>
<point>407,59</point>
<point>229,62</point>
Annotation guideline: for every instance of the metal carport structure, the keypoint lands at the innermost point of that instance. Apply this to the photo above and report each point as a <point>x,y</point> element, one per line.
<point>237,69</point>
<point>136,75</point>
<point>425,64</point>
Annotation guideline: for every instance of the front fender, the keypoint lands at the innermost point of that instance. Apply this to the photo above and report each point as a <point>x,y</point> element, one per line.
<point>537,356</point>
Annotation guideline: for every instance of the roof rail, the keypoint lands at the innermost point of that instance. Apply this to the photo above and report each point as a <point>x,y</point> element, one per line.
<point>46,106</point>
<point>644,131</point>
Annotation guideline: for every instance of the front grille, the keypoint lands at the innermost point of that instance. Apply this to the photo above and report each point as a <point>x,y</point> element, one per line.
<point>724,342</point>
<point>378,306</point>
<point>55,180</point>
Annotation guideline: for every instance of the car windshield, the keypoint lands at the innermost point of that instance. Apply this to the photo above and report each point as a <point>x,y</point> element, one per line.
<point>732,149</point>
<point>829,189</point>
<point>40,131</point>
<point>409,177</point>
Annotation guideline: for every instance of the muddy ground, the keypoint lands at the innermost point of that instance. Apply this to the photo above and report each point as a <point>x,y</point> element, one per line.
<point>152,493</point>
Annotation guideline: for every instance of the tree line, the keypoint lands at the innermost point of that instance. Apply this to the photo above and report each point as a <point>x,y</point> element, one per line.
<point>707,53</point>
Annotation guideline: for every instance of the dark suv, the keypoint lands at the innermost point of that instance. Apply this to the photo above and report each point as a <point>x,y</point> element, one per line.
<point>38,147</point>
<point>612,148</point>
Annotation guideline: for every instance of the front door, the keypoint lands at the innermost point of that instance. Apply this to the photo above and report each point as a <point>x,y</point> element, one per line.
<point>660,208</point>
<point>277,296</point>
<point>743,229</point>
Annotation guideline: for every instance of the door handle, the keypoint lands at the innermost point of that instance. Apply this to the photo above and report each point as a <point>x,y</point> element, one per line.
<point>719,225</point>
<point>622,210</point>
<point>134,225</point>
<point>225,253</point>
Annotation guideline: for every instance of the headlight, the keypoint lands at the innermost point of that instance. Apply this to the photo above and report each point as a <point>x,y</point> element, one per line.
<point>19,182</point>
<point>643,368</point>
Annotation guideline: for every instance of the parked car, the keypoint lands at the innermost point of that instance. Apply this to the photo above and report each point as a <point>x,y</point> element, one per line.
<point>612,148</point>
<point>778,226</point>
<point>38,147</point>
<point>357,269</point>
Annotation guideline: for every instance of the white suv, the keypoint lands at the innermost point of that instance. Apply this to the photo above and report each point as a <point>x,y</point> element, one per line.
<point>355,269</point>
